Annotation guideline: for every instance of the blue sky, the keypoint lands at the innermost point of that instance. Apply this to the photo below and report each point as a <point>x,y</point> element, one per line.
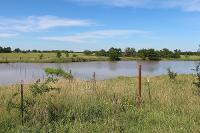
<point>96,24</point>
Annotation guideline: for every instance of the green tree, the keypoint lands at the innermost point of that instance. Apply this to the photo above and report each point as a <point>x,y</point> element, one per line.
<point>149,54</point>
<point>17,50</point>
<point>87,52</point>
<point>102,52</point>
<point>129,52</point>
<point>114,54</point>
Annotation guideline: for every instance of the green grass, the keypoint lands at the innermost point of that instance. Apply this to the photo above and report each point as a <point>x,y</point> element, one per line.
<point>108,106</point>
<point>80,57</point>
<point>47,58</point>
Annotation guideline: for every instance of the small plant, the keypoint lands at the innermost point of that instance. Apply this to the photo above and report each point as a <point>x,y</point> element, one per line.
<point>197,82</point>
<point>59,54</point>
<point>51,72</point>
<point>74,55</point>
<point>171,74</point>
<point>41,56</point>
<point>67,54</point>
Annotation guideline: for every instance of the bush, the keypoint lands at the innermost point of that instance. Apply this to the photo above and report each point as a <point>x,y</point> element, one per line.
<point>88,52</point>
<point>58,54</point>
<point>102,52</point>
<point>67,54</point>
<point>41,56</point>
<point>171,74</point>
<point>197,82</point>
<point>51,72</point>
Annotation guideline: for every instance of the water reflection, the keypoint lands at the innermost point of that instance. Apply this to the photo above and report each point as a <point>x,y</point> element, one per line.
<point>15,72</point>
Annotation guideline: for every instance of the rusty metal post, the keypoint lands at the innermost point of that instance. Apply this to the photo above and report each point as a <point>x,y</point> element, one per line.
<point>22,102</point>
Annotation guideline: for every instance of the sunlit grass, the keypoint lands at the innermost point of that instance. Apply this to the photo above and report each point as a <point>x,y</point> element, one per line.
<point>107,106</point>
<point>79,57</point>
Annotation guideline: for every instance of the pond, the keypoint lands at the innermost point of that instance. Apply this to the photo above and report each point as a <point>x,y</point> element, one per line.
<point>15,72</point>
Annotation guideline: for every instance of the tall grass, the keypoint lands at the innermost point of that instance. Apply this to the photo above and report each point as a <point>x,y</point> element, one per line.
<point>107,106</point>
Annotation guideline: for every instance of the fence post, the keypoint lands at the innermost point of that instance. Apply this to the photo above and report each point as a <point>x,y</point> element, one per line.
<point>148,83</point>
<point>94,77</point>
<point>70,71</point>
<point>22,102</point>
<point>139,86</point>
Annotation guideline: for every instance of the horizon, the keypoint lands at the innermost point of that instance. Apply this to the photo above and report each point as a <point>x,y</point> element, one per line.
<point>99,24</point>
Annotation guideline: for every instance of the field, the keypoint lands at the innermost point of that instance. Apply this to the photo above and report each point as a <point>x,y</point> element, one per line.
<point>105,106</point>
<point>73,57</point>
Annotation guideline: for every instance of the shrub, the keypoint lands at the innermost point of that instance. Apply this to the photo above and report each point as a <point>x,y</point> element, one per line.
<point>74,55</point>
<point>87,52</point>
<point>59,54</point>
<point>41,56</point>
<point>67,54</point>
<point>171,74</point>
<point>51,72</point>
<point>197,82</point>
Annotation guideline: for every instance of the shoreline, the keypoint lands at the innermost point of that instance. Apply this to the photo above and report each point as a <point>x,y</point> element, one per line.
<point>74,60</point>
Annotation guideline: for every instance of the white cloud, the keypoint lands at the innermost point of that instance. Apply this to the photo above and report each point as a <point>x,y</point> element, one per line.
<point>186,5</point>
<point>33,23</point>
<point>86,37</point>
<point>119,3</point>
<point>7,35</point>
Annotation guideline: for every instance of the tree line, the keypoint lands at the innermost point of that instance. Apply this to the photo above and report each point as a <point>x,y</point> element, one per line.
<point>145,54</point>
<point>114,53</point>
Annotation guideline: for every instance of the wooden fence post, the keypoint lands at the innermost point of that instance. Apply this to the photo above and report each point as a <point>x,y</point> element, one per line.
<point>22,102</point>
<point>140,85</point>
<point>94,77</point>
<point>70,71</point>
<point>148,84</point>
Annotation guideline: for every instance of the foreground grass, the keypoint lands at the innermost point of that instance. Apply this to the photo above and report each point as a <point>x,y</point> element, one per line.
<point>108,106</point>
<point>73,57</point>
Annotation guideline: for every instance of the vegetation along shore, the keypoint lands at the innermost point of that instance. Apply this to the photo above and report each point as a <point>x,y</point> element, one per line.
<point>7,55</point>
<point>63,104</point>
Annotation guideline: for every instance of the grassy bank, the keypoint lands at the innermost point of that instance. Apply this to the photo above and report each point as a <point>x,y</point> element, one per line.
<point>108,106</point>
<point>73,57</point>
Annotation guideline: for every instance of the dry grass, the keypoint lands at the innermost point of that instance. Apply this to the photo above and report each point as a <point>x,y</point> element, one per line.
<point>107,106</point>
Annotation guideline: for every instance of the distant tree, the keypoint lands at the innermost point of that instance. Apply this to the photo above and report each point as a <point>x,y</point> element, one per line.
<point>153,54</point>
<point>149,54</point>
<point>114,54</point>
<point>166,53</point>
<point>102,52</point>
<point>34,51</point>
<point>7,50</point>
<point>177,53</point>
<point>129,52</point>
<point>17,50</point>
<point>67,54</point>
<point>59,54</point>
<point>87,52</point>
<point>142,53</point>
